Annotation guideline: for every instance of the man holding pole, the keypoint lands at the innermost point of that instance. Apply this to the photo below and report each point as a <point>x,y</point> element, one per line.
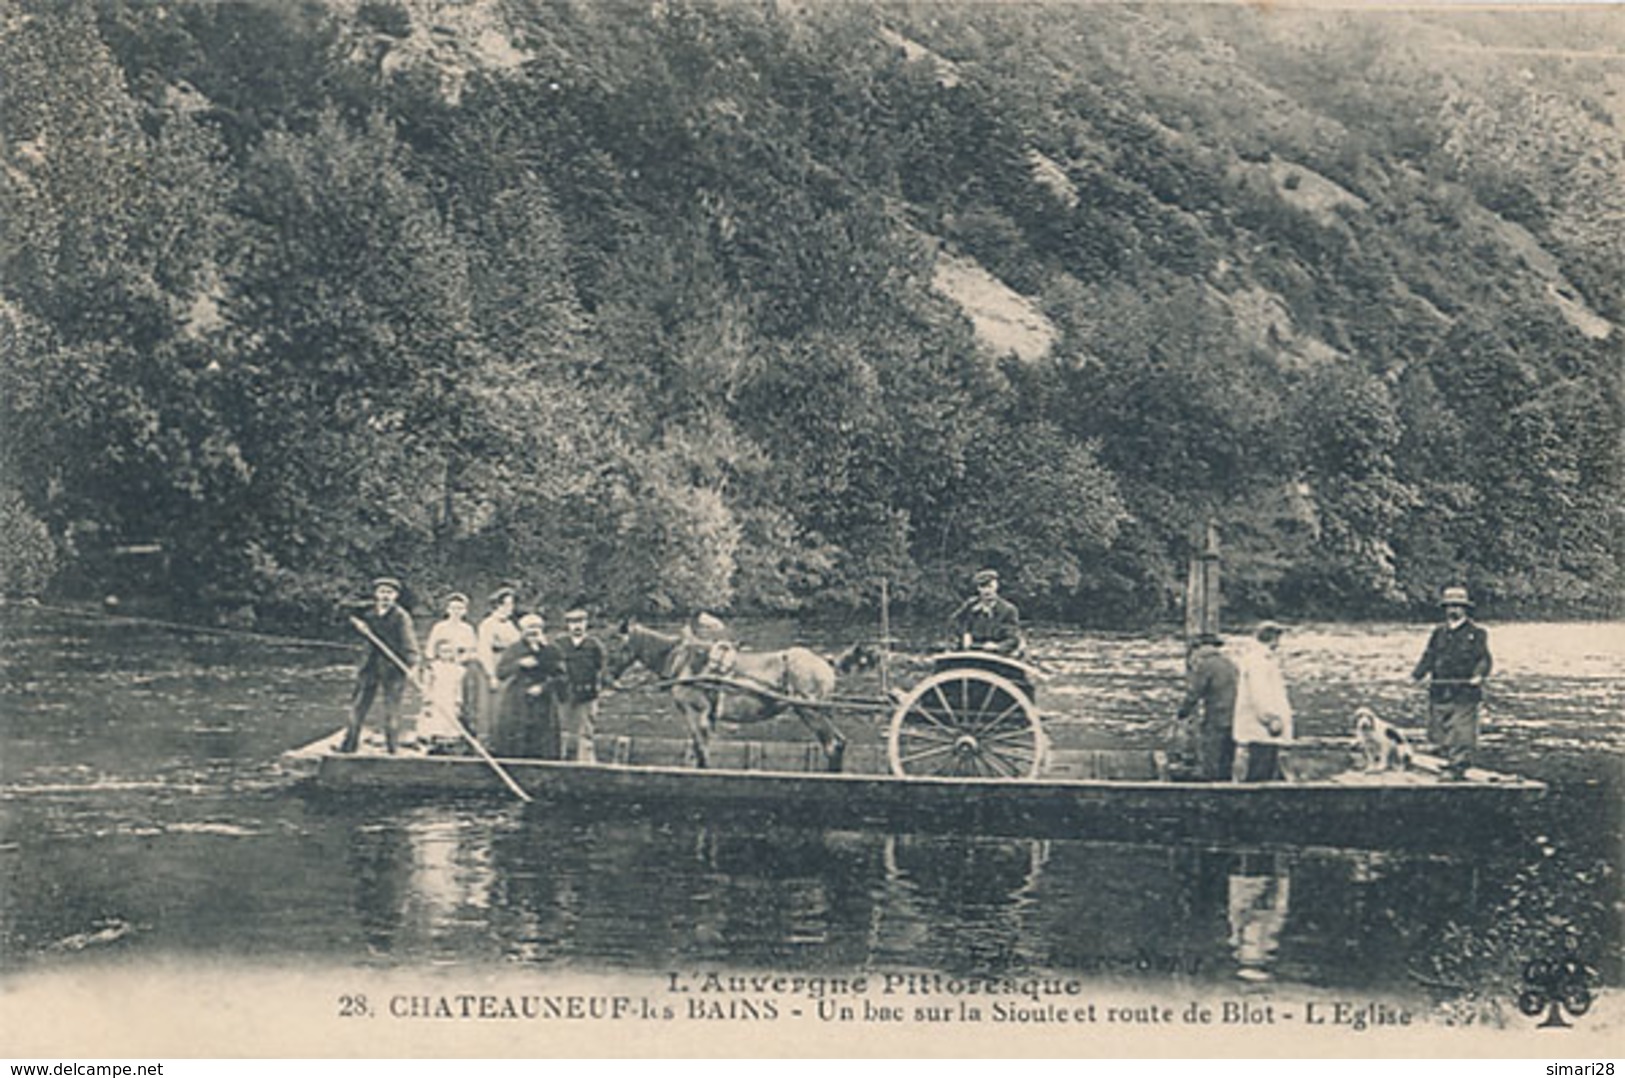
<point>1457,660</point>
<point>391,642</point>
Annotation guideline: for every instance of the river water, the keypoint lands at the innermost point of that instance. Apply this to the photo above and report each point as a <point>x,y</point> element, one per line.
<point>144,818</point>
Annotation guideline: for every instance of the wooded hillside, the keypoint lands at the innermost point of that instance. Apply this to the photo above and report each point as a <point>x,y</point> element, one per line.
<point>747,305</point>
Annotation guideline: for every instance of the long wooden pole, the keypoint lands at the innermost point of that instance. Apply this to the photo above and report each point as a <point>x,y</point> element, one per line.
<point>885,637</point>
<point>365,630</point>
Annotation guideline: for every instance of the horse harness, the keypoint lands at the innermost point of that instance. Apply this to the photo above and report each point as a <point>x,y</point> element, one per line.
<point>721,661</point>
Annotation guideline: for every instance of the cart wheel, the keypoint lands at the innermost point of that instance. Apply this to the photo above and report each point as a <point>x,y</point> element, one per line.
<point>966,723</point>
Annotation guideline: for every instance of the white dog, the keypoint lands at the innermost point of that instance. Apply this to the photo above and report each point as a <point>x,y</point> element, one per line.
<point>1382,747</point>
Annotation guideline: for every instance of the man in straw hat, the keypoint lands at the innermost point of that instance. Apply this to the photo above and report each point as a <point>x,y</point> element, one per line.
<point>379,673</point>
<point>1457,660</point>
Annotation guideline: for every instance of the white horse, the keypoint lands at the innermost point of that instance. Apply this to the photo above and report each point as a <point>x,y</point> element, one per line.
<point>795,673</point>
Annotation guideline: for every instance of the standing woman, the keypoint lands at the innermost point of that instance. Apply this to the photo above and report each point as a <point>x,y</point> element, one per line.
<point>455,628</point>
<point>526,721</point>
<point>457,635</point>
<point>497,632</point>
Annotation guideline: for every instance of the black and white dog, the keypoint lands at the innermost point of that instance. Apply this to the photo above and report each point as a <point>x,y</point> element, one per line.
<point>1382,747</point>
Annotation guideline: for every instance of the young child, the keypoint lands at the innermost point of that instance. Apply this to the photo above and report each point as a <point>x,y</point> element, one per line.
<point>442,698</point>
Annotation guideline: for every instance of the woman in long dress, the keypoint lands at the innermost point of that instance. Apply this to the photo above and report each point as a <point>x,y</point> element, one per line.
<point>530,672</point>
<point>497,632</point>
<point>451,651</point>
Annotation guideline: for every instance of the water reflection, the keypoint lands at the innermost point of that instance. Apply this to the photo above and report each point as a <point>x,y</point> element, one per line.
<point>469,886</point>
<point>958,904</point>
<point>1260,894</point>
<point>380,861</point>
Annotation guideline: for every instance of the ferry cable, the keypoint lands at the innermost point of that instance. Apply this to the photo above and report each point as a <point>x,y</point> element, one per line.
<point>183,627</point>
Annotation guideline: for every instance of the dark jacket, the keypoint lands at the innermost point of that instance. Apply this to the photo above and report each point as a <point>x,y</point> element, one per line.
<point>994,620</point>
<point>1452,657</point>
<point>583,668</point>
<point>1211,683</point>
<point>394,628</point>
<point>525,723</point>
<point>549,665</point>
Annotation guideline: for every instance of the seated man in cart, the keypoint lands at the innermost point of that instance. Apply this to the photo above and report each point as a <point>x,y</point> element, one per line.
<point>987,621</point>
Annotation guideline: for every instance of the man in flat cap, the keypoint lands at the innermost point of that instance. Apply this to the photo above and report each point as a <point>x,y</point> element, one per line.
<point>1212,680</point>
<point>1457,660</point>
<point>584,658</point>
<point>987,621</point>
<point>380,672</point>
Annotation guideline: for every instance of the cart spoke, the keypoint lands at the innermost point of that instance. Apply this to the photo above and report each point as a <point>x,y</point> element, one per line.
<point>947,707</point>
<point>996,764</point>
<point>1021,760</point>
<point>1013,734</point>
<point>918,711</point>
<point>936,733</point>
<point>988,726</point>
<point>923,753</point>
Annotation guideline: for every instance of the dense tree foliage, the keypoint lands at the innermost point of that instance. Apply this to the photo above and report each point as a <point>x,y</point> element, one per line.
<point>645,304</point>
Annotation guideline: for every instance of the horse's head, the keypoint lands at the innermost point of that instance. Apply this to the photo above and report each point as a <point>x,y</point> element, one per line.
<point>859,657</point>
<point>620,656</point>
<point>636,645</point>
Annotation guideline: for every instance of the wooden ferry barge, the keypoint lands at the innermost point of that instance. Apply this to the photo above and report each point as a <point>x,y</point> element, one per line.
<point>1119,794</point>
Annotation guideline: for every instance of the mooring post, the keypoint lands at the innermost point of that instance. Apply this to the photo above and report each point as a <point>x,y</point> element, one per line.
<point>1202,599</point>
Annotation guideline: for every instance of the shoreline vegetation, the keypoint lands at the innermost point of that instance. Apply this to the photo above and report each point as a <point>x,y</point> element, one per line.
<point>913,633</point>
<point>747,307</point>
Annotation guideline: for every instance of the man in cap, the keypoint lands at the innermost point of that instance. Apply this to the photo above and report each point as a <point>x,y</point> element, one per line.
<point>987,620</point>
<point>391,627</point>
<point>1211,682</point>
<point>1457,660</point>
<point>584,658</point>
<point>526,720</point>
